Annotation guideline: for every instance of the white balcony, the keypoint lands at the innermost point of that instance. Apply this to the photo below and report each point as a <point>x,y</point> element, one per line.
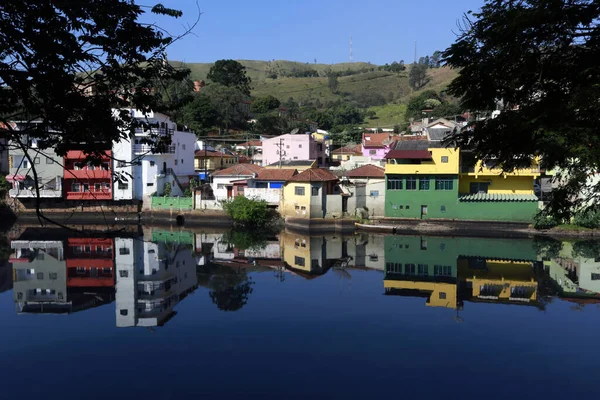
<point>30,193</point>
<point>139,149</point>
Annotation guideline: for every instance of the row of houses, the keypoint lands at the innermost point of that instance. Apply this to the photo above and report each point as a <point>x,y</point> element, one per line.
<point>413,176</point>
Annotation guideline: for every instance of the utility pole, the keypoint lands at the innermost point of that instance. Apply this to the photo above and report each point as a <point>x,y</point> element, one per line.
<point>280,145</point>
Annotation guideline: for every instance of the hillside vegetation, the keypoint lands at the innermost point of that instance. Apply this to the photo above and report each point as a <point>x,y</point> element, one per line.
<point>360,84</point>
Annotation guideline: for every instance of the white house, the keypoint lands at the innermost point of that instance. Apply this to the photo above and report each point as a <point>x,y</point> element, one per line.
<point>223,180</point>
<point>140,172</point>
<point>151,279</point>
<point>366,186</point>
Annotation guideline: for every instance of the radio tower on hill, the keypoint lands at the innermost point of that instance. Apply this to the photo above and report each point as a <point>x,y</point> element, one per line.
<point>351,58</point>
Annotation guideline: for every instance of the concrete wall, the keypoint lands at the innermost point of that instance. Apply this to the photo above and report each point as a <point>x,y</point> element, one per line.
<point>332,206</point>
<point>201,204</point>
<point>368,195</point>
<point>271,196</point>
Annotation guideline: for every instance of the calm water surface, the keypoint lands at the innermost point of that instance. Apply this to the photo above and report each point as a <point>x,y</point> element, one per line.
<point>172,314</point>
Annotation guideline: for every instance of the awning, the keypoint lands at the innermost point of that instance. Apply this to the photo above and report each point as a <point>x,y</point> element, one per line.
<point>497,197</point>
<point>409,154</point>
<point>15,177</point>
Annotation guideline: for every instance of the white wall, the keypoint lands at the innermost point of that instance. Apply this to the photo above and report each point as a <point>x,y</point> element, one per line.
<point>122,152</point>
<point>125,285</point>
<point>271,196</point>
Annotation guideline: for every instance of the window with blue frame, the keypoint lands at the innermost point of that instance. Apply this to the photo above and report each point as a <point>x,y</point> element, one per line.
<point>424,183</point>
<point>411,183</point>
<point>394,182</point>
<point>444,184</point>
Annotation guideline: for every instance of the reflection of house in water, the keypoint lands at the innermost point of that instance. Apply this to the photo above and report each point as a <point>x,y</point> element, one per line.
<point>49,280</point>
<point>448,270</point>
<point>576,271</point>
<point>152,277</point>
<point>5,276</point>
<point>311,256</point>
<point>367,251</point>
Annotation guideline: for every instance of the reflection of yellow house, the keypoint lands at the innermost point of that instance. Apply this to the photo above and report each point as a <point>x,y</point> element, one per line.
<point>438,294</point>
<point>303,254</point>
<point>511,281</point>
<point>213,160</point>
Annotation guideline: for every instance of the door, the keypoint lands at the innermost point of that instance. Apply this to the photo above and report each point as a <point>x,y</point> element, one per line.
<point>423,211</point>
<point>229,191</point>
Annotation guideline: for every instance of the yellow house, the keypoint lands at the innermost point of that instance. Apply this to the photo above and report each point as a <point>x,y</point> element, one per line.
<point>212,160</point>
<point>438,294</point>
<point>298,165</point>
<point>305,195</point>
<point>303,254</point>
<point>346,152</point>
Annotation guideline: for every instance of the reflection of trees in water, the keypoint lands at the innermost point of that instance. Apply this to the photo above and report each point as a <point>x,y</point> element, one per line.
<point>243,239</point>
<point>589,248</point>
<point>547,247</point>
<point>229,288</point>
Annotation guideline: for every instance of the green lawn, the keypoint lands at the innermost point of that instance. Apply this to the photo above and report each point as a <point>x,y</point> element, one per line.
<point>387,115</point>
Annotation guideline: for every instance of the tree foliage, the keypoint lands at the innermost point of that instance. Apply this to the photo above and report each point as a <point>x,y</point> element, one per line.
<point>230,292</point>
<point>535,60</point>
<point>263,105</point>
<point>248,212</point>
<point>230,73</point>
<point>332,83</point>
<point>417,76</point>
<point>53,54</point>
<point>395,66</point>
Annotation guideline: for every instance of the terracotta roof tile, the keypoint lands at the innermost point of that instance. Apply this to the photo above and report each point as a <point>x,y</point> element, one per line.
<point>239,169</point>
<point>276,174</point>
<point>366,171</point>
<point>355,149</point>
<point>377,139</point>
<point>253,143</point>
<point>314,175</point>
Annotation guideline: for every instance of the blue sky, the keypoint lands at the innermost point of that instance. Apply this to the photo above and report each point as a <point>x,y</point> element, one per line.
<point>302,30</point>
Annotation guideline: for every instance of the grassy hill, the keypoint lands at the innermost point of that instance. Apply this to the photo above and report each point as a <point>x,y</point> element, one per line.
<point>368,80</point>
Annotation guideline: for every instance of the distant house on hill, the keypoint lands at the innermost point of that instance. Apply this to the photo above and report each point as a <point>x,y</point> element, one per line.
<point>293,147</point>
<point>376,145</point>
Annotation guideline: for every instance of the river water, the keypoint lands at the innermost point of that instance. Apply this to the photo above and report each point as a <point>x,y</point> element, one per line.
<point>166,313</point>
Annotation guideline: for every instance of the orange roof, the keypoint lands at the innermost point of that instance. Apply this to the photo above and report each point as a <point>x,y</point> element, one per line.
<point>349,149</point>
<point>253,143</point>
<point>314,175</point>
<point>376,139</point>
<point>366,171</point>
<point>208,153</point>
<point>239,169</point>
<point>276,174</point>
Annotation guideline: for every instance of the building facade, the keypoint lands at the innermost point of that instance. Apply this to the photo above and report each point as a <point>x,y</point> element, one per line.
<point>85,181</point>
<point>377,145</point>
<point>293,147</point>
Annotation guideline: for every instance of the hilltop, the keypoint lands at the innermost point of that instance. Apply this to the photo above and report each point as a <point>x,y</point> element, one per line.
<point>382,92</point>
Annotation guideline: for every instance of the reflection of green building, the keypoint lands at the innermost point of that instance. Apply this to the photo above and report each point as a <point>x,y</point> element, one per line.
<point>448,270</point>
<point>576,269</point>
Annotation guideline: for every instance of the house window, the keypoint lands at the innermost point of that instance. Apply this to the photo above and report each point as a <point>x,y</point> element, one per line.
<point>150,184</point>
<point>411,183</point>
<point>299,146</point>
<point>423,244</point>
<point>77,166</point>
<point>53,275</point>
<point>319,147</point>
<point>373,257</point>
<point>121,164</point>
<point>374,193</point>
<point>123,312</point>
<point>97,187</point>
<point>105,166</point>
<point>442,270</point>
<point>410,269</point>
<point>315,190</point>
<point>124,273</point>
<point>372,152</point>
<point>25,164</point>
<point>183,146</point>
<point>106,186</point>
<point>445,159</point>
<point>49,160</point>
<point>299,261</point>
<point>394,183</point>
<point>86,187</point>
<point>175,162</point>
<point>478,187</point>
<point>423,269</point>
<point>76,187</point>
<point>595,277</point>
<point>152,163</point>
<point>220,186</point>
<point>444,184</point>
<point>287,147</point>
<point>40,275</point>
<point>424,184</point>
<point>442,296</point>
<point>123,251</point>
<point>443,209</point>
<point>295,158</point>
<point>36,160</point>
<point>393,268</point>
<point>123,185</point>
<point>299,190</point>
<point>182,160</point>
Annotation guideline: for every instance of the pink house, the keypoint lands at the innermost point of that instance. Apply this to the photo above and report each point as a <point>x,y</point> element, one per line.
<point>292,147</point>
<point>377,145</point>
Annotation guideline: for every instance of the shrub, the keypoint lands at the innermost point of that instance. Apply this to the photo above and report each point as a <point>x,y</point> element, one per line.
<point>587,219</point>
<point>248,212</point>
<point>543,221</point>
<point>167,189</point>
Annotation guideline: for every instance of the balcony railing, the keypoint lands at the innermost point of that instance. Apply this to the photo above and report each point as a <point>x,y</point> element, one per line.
<point>89,196</point>
<point>155,131</point>
<point>496,170</point>
<point>145,149</point>
<point>27,193</point>
<point>87,174</point>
